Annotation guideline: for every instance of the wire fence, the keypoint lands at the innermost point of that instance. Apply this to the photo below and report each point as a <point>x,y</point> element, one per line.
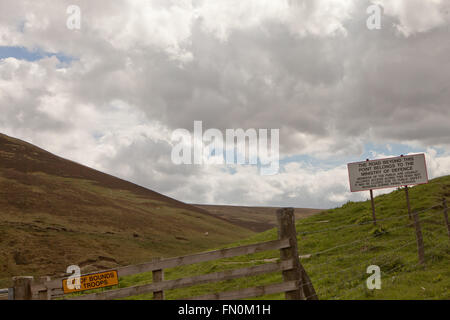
<point>342,279</point>
<point>392,271</point>
<point>353,225</point>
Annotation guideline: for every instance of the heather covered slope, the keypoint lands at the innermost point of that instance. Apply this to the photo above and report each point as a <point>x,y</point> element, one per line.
<point>257,219</point>
<point>55,212</point>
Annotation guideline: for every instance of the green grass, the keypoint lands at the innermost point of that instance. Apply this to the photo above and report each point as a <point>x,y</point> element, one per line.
<point>343,243</point>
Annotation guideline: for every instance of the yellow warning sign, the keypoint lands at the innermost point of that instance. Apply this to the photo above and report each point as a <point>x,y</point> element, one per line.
<point>92,281</point>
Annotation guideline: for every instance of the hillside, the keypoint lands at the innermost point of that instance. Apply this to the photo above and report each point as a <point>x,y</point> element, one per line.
<point>257,219</point>
<point>55,212</point>
<point>337,245</point>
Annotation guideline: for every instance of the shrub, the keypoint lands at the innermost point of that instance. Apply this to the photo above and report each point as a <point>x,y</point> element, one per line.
<point>378,231</point>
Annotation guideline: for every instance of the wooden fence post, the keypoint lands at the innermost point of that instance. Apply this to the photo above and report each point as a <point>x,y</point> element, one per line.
<point>158,276</point>
<point>286,230</point>
<point>419,238</point>
<point>444,203</point>
<point>407,202</point>
<point>372,202</point>
<point>22,288</point>
<point>10,293</point>
<point>46,294</point>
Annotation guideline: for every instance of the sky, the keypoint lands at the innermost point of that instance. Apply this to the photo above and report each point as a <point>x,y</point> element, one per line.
<point>110,94</point>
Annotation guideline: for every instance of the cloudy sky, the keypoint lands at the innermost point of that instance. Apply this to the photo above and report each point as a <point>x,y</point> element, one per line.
<point>110,94</point>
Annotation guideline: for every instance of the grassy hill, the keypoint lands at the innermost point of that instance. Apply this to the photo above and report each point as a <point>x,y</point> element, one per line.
<point>337,245</point>
<point>257,219</point>
<point>55,212</point>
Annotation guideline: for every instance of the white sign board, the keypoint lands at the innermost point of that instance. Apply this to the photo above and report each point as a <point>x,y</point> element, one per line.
<point>387,173</point>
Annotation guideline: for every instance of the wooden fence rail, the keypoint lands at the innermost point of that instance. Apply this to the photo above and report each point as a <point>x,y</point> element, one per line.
<point>296,283</point>
<point>4,294</point>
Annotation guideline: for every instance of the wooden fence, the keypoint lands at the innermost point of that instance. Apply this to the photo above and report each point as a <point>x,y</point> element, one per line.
<point>4,294</point>
<point>296,284</point>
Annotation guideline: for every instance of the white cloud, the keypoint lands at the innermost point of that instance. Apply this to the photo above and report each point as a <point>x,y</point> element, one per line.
<point>305,17</point>
<point>437,165</point>
<point>416,16</point>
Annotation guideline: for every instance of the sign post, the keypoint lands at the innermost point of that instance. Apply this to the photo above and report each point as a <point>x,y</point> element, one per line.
<point>373,206</point>
<point>388,173</point>
<point>407,200</point>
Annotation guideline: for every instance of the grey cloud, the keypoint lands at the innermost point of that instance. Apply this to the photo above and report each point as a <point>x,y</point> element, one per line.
<point>338,90</point>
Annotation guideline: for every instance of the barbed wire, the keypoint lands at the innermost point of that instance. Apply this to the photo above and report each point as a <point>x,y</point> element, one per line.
<point>364,223</point>
<point>353,266</point>
<point>386,273</point>
<point>368,238</point>
<point>364,239</point>
<point>382,265</point>
<point>362,284</point>
<point>434,247</point>
<point>326,263</point>
<point>355,243</point>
